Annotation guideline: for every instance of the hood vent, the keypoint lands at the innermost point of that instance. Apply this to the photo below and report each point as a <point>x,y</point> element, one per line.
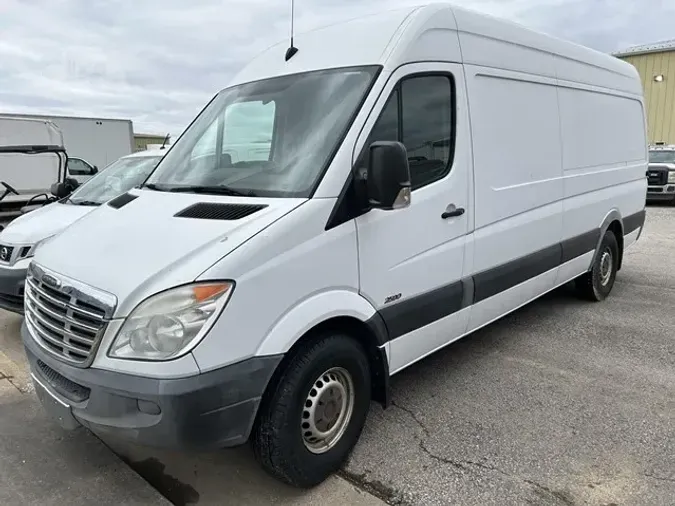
<point>214,211</point>
<point>122,200</point>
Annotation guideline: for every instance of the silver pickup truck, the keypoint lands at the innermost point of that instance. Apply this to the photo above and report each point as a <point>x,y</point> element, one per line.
<point>661,173</point>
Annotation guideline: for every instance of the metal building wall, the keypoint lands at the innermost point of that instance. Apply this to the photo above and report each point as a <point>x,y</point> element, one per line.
<point>142,141</point>
<point>659,96</point>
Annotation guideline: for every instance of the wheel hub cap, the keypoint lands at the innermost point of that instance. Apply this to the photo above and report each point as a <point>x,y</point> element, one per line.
<point>327,410</point>
<point>605,267</point>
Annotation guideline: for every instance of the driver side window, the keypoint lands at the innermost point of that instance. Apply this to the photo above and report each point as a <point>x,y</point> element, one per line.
<point>420,113</point>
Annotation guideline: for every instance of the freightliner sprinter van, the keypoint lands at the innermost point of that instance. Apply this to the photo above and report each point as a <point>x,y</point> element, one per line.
<point>427,171</point>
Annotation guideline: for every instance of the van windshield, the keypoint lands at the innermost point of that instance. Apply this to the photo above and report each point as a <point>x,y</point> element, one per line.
<point>664,156</point>
<point>270,138</point>
<point>118,177</point>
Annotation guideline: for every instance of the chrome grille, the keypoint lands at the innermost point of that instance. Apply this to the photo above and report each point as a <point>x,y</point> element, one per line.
<point>10,254</point>
<point>66,321</point>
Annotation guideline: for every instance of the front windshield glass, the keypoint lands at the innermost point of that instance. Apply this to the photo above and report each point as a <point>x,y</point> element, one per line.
<point>118,177</point>
<point>663,156</point>
<point>267,138</point>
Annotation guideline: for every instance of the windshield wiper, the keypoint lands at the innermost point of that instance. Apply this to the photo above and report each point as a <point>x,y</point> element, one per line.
<point>213,190</point>
<point>153,186</point>
<point>84,202</point>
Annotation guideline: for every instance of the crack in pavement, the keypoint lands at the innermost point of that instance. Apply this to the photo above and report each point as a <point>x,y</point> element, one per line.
<point>466,465</point>
<point>374,487</point>
<point>462,464</point>
<point>659,478</point>
<point>444,460</point>
<point>11,380</point>
<point>413,416</point>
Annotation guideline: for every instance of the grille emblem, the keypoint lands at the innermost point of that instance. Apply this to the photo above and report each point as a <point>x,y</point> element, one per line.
<point>47,279</point>
<point>4,254</point>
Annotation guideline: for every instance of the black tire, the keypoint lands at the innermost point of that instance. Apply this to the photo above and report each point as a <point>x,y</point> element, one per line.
<point>597,283</point>
<point>277,438</point>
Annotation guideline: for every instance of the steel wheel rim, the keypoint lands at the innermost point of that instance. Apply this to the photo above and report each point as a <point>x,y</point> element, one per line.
<point>605,267</point>
<point>327,410</point>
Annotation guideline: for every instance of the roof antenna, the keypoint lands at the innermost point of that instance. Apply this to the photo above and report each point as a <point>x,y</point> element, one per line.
<point>290,52</point>
<point>166,139</point>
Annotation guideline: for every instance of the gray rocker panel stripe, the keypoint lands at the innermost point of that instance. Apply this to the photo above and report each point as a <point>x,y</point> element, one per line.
<point>421,310</point>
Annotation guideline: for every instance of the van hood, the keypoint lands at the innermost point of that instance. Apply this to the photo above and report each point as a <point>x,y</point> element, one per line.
<point>142,248</point>
<point>42,223</point>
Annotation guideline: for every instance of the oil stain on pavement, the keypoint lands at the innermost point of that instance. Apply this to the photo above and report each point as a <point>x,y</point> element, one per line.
<point>179,493</point>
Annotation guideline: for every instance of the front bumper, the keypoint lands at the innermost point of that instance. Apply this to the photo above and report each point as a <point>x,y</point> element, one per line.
<point>661,193</point>
<point>212,410</point>
<point>11,289</point>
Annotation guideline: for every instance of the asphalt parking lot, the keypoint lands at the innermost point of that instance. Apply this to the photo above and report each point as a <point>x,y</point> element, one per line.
<point>562,403</point>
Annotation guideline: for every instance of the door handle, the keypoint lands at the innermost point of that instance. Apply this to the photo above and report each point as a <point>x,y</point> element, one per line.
<point>452,212</point>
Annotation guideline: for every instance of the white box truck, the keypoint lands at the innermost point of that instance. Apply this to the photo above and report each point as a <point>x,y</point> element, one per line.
<point>32,158</point>
<point>97,141</point>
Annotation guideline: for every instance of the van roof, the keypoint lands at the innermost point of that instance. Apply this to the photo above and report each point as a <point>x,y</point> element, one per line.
<point>436,32</point>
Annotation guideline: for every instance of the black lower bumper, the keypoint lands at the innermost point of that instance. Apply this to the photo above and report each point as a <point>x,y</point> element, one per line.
<point>11,289</point>
<point>661,197</point>
<point>212,410</point>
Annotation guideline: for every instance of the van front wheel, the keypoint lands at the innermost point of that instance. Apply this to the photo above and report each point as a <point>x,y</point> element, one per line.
<point>596,284</point>
<point>313,414</point>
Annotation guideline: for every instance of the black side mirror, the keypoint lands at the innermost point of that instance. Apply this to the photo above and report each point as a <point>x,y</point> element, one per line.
<point>94,170</point>
<point>71,184</point>
<point>388,180</point>
<point>60,190</point>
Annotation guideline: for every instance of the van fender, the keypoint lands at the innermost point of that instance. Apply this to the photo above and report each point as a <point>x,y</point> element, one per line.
<point>613,215</point>
<point>310,312</point>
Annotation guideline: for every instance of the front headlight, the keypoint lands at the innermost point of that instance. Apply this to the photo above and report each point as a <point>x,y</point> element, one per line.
<point>165,324</point>
<point>671,176</point>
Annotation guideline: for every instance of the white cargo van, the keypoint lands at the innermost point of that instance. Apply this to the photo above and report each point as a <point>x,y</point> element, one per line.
<point>20,239</point>
<point>429,171</point>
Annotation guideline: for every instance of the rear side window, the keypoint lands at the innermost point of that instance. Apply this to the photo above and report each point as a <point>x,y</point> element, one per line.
<point>77,167</point>
<point>420,113</point>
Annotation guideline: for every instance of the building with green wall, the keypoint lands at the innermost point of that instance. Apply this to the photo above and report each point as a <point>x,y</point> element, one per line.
<point>656,65</point>
<point>141,141</point>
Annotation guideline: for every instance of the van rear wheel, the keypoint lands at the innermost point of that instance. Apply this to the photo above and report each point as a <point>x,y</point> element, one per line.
<point>597,283</point>
<point>312,416</point>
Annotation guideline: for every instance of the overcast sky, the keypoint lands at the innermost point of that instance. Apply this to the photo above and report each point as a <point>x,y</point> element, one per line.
<point>159,61</point>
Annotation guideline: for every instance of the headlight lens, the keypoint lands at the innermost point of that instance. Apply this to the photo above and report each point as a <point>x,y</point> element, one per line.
<point>671,176</point>
<point>164,325</point>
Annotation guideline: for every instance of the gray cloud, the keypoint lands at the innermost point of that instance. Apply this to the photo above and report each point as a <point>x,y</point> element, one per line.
<point>159,61</point>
